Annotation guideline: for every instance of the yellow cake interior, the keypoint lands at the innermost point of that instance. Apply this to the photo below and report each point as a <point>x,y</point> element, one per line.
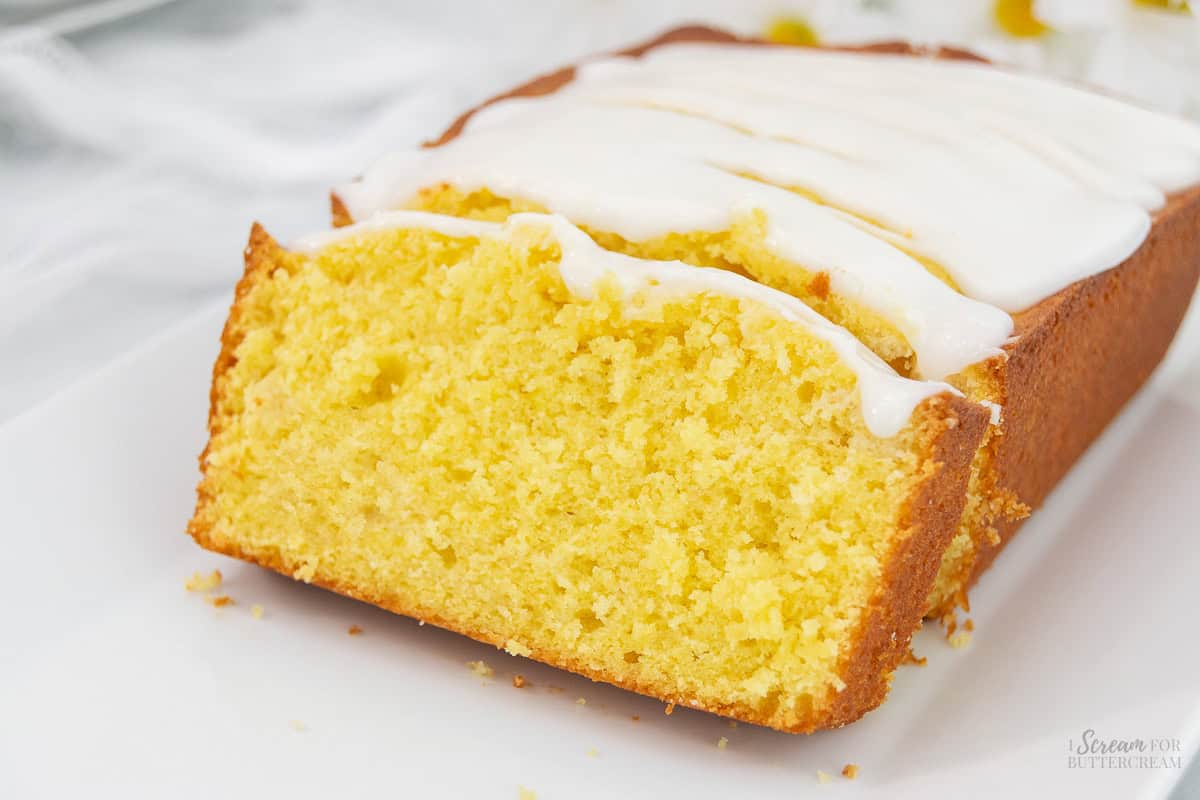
<point>742,249</point>
<point>678,494</point>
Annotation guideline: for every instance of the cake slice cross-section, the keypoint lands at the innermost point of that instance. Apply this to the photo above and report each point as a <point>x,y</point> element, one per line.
<point>671,478</point>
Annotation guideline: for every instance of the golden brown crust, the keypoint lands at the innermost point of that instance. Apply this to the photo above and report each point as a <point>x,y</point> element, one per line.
<point>257,261</point>
<point>931,516</point>
<point>1083,352</point>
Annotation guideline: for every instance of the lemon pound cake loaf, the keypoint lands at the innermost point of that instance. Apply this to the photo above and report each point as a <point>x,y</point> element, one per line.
<point>674,479</point>
<point>708,369</point>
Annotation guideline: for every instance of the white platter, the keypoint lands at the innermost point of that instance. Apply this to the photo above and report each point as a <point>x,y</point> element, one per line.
<point>114,681</point>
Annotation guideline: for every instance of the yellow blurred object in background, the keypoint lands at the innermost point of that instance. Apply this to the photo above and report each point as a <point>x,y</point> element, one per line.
<point>1168,5</point>
<point>1016,18</point>
<point>791,30</point>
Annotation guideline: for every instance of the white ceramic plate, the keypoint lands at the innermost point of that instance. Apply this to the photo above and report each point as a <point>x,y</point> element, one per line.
<point>116,681</point>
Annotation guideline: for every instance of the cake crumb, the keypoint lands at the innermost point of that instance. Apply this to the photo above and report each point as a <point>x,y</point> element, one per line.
<point>297,725</point>
<point>526,794</point>
<point>733,723</point>
<point>354,630</point>
<point>593,753</point>
<point>203,583</point>
<point>481,669</point>
<point>581,701</point>
<point>420,623</point>
<point>850,771</point>
<point>823,777</point>
<point>518,681</point>
<point>256,611</point>
<point>670,709</point>
<point>636,718</point>
<point>515,648</point>
<point>722,743</point>
<point>912,658</point>
<point>220,600</point>
<point>960,640</point>
<point>969,625</point>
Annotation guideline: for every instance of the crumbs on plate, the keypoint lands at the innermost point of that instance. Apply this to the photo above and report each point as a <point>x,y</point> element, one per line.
<point>481,669</point>
<point>960,640</point>
<point>203,583</point>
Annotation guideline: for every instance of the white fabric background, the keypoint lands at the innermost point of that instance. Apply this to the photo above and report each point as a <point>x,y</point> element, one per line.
<point>135,153</point>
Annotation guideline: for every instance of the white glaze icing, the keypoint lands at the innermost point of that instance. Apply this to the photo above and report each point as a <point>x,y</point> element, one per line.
<point>887,399</point>
<point>1017,185</point>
